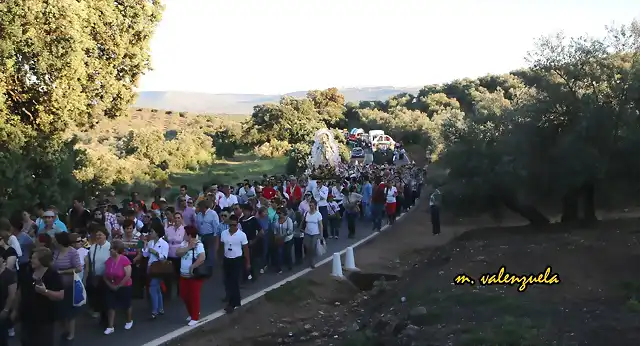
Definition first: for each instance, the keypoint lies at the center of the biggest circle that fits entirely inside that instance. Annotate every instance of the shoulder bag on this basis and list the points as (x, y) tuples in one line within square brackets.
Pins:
[(203, 271), (161, 268)]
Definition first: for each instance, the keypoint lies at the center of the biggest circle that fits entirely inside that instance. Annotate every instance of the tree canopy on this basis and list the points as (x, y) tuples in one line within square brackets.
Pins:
[(63, 65)]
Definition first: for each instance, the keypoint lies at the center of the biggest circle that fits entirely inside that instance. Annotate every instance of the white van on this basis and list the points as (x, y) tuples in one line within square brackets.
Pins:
[(373, 134)]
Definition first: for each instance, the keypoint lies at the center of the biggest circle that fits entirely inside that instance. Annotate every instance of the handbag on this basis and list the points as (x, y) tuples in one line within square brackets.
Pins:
[(79, 292), (321, 247), (335, 215), (202, 271), (92, 279), (161, 269)]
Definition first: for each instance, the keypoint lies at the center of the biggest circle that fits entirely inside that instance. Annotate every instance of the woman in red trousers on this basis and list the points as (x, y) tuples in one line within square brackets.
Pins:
[(191, 252), (391, 192)]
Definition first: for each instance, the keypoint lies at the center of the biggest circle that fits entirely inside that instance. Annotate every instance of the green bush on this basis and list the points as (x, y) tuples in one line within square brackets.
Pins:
[(274, 148), (298, 156), (144, 156)]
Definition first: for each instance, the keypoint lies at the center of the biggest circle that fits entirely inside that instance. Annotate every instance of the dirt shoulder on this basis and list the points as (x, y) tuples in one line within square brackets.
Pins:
[(595, 302)]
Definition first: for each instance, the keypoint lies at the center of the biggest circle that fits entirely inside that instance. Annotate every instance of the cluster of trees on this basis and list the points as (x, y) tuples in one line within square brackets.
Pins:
[(557, 134), (144, 155), (142, 150)]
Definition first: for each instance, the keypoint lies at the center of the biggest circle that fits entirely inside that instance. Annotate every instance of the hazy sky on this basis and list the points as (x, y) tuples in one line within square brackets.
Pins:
[(279, 46)]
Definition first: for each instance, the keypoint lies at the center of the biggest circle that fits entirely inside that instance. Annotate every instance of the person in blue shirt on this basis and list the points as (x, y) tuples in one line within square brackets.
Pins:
[(265, 219), (40, 210), (208, 223), (367, 192), (58, 226)]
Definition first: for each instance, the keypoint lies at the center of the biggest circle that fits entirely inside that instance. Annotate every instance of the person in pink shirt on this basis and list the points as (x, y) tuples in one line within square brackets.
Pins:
[(117, 277), (189, 214), (174, 234)]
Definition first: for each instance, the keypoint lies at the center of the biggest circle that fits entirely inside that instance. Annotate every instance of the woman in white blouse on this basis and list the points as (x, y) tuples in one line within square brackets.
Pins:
[(94, 265), (156, 249), (192, 256)]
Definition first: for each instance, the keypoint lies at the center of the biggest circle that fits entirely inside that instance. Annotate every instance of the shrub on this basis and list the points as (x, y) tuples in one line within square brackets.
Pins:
[(298, 156), (275, 148)]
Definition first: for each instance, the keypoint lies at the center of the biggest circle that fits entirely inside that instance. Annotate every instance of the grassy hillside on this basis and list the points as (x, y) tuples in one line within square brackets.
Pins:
[(243, 103), (164, 148)]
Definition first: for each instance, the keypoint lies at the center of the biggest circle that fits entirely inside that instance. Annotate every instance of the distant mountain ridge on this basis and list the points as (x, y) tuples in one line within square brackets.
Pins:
[(243, 103)]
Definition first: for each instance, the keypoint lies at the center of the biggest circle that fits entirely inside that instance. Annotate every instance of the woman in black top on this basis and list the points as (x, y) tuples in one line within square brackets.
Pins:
[(9, 254), (8, 284), (36, 303)]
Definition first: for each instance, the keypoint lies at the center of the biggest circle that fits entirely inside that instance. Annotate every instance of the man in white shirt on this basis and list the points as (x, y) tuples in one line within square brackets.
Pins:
[(320, 194), (227, 199)]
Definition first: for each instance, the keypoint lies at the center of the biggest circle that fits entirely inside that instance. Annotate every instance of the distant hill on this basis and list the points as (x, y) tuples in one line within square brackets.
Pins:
[(243, 103)]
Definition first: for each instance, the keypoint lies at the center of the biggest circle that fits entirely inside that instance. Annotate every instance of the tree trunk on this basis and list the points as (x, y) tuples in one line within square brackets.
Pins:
[(529, 212), (589, 202), (570, 203)]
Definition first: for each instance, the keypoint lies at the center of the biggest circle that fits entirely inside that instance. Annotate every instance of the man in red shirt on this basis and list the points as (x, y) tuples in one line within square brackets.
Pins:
[(295, 193), (268, 191)]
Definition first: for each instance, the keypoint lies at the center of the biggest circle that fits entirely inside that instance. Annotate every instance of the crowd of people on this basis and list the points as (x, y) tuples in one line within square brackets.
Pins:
[(157, 249)]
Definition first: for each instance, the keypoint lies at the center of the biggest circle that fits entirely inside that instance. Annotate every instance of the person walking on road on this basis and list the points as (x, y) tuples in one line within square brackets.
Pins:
[(434, 205), (236, 261), (378, 200)]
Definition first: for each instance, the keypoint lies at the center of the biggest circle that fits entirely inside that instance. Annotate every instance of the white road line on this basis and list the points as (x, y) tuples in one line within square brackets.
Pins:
[(186, 329)]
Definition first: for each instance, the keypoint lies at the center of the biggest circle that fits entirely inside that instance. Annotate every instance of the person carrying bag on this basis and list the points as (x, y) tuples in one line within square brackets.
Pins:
[(193, 272), (94, 270)]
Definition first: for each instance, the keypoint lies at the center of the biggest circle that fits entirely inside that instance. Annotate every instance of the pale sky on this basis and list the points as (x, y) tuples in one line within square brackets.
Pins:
[(280, 46)]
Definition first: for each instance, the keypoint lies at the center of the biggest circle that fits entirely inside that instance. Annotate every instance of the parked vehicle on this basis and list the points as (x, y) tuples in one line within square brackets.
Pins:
[(357, 152), (355, 134), (374, 134), (383, 142)]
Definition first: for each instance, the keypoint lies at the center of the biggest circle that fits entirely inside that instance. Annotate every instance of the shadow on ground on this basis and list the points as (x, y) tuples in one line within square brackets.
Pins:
[(596, 301)]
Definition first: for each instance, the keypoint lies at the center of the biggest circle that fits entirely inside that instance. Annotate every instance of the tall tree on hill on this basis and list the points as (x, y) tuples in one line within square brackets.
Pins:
[(63, 65), (330, 106)]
